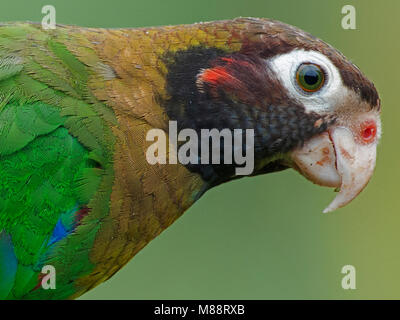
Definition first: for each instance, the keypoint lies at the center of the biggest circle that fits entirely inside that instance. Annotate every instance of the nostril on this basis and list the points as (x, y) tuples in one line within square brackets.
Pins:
[(368, 131)]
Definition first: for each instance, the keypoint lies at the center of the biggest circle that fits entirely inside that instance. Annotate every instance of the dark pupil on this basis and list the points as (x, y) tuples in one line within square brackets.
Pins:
[(311, 76)]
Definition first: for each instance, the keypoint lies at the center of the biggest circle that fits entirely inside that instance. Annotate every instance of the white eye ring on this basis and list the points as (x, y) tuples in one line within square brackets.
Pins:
[(326, 98)]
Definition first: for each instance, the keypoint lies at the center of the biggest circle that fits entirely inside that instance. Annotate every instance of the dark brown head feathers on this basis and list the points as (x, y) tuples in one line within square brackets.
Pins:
[(267, 38)]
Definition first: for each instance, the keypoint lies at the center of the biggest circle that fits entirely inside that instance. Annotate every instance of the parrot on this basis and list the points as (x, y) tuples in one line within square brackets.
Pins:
[(77, 191)]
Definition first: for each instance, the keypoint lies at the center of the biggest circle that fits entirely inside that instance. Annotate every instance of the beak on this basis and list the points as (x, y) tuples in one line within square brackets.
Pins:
[(335, 159)]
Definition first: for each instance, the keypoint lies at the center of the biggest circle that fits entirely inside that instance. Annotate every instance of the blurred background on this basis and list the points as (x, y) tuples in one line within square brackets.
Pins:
[(266, 237)]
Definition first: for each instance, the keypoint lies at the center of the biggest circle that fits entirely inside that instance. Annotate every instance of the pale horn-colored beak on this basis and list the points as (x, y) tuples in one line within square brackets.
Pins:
[(337, 160)]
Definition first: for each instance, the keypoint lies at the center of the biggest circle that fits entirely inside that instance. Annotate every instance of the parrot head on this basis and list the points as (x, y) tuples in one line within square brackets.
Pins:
[(343, 155), (311, 108)]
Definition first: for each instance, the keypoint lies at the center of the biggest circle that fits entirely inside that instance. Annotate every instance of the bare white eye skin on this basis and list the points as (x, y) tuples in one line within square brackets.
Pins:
[(327, 97)]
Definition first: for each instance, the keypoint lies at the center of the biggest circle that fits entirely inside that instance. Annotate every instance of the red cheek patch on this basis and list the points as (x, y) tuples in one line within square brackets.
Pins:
[(368, 131)]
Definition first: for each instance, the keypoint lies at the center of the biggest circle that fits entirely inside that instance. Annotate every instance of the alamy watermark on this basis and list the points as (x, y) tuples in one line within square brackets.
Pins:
[(49, 20), (349, 20), (349, 280), (234, 148), (49, 279)]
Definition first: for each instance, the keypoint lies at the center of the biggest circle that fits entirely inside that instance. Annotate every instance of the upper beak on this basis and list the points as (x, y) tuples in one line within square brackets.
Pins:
[(336, 159)]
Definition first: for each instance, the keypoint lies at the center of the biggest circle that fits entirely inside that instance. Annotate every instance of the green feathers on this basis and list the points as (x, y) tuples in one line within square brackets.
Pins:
[(38, 185), (56, 149), (21, 124), (76, 190)]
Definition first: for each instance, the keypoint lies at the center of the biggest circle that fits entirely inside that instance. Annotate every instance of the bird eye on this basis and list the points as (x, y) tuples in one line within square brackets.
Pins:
[(310, 77)]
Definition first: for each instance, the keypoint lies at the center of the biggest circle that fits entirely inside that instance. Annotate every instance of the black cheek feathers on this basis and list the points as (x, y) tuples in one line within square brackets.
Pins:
[(260, 103)]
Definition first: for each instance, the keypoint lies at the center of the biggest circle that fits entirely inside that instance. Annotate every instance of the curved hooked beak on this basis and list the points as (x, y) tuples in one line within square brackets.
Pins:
[(335, 159)]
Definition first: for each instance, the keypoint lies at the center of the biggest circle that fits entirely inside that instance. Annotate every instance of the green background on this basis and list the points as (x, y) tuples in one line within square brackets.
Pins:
[(265, 237)]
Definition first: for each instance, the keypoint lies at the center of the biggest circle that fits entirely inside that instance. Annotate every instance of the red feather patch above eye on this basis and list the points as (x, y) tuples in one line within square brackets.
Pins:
[(215, 75), (230, 60), (223, 73), (240, 76), (221, 76)]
